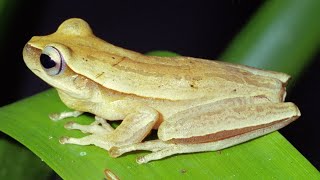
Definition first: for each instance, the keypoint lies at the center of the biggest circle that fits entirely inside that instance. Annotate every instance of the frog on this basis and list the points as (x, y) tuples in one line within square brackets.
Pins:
[(193, 104)]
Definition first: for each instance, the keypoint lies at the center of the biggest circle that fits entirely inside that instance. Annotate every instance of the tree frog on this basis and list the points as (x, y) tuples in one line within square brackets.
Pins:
[(195, 104)]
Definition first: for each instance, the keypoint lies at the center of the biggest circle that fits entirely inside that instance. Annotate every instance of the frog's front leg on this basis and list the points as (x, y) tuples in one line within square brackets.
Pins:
[(63, 115), (99, 126), (214, 126), (133, 129)]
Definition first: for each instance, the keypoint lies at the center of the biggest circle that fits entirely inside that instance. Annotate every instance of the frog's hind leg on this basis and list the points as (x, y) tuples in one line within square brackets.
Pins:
[(215, 126), (161, 149)]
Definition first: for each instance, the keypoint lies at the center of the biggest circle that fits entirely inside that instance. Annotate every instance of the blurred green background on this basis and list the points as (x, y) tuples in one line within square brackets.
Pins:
[(275, 35)]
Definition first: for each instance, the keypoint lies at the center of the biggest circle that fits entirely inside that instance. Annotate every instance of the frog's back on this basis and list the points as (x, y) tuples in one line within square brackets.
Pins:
[(174, 78), (177, 78)]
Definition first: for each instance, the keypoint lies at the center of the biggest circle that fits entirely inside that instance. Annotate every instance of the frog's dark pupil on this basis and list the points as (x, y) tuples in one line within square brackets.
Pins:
[(46, 61)]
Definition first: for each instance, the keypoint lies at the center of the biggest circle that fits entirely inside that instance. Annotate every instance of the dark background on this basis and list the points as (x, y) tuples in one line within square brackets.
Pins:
[(199, 29)]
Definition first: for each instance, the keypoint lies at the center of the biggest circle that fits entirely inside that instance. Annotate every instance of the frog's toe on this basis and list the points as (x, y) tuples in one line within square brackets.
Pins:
[(141, 160), (93, 128), (69, 125), (64, 139), (55, 116), (62, 115), (115, 152)]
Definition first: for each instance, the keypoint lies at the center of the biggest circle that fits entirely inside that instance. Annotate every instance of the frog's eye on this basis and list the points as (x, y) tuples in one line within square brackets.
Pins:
[(52, 60)]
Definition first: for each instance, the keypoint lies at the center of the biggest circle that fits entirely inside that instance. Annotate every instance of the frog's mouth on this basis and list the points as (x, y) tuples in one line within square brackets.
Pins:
[(30, 56)]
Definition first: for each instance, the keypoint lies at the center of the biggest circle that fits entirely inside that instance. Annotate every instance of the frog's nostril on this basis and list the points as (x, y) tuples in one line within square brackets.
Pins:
[(46, 61)]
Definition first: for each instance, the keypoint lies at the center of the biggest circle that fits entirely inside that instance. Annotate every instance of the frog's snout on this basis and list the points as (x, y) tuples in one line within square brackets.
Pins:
[(30, 53)]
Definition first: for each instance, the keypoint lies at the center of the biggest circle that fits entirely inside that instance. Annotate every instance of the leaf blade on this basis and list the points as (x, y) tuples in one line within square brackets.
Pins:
[(38, 133)]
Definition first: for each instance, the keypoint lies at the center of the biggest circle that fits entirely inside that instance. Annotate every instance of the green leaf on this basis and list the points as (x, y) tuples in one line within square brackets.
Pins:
[(17, 162), (162, 53), (28, 122)]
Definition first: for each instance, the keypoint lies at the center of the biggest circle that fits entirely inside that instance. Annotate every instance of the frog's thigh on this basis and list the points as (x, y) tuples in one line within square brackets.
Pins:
[(209, 122)]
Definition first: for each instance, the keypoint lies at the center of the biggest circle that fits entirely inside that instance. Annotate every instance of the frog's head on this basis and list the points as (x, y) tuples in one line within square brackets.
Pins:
[(49, 57)]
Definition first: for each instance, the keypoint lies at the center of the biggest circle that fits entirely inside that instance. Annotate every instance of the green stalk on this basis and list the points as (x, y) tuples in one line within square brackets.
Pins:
[(283, 36)]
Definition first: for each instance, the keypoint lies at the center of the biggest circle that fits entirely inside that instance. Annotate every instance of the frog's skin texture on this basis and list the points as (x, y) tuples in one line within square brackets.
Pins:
[(196, 104)]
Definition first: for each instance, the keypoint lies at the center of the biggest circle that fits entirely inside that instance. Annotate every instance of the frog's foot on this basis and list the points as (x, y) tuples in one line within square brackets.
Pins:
[(154, 146), (174, 149), (62, 115), (162, 149), (99, 126), (94, 139)]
